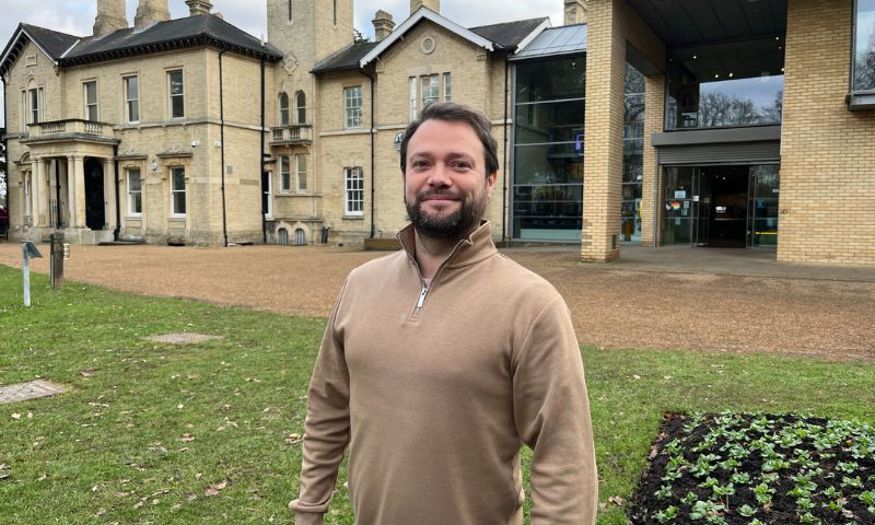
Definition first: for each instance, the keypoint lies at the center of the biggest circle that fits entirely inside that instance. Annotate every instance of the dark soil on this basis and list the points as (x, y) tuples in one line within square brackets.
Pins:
[(814, 453)]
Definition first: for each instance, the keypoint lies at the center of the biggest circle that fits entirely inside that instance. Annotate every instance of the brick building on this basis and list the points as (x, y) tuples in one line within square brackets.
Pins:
[(716, 123)]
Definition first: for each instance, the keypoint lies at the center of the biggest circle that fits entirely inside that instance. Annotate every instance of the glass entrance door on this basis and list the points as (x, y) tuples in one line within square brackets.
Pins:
[(764, 188)]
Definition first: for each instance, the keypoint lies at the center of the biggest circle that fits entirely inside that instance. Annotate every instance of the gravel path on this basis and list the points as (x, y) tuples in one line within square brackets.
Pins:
[(612, 307)]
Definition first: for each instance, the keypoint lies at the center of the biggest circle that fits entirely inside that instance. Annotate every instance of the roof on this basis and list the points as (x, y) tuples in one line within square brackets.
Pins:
[(347, 58), (52, 43), (555, 41), (509, 34), (193, 31)]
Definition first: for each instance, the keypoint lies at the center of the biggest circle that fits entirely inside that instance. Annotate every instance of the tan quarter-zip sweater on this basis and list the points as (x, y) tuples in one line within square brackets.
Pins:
[(435, 389)]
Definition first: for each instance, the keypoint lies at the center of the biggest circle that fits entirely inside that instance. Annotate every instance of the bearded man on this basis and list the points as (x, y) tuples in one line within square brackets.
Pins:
[(441, 361)]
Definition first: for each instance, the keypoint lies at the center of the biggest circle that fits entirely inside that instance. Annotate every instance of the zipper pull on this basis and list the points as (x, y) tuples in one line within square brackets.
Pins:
[(421, 300)]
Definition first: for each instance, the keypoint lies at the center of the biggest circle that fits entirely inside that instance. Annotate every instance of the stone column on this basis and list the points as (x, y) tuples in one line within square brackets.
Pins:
[(77, 185), (603, 149), (651, 189), (34, 192), (71, 193), (109, 185), (41, 194)]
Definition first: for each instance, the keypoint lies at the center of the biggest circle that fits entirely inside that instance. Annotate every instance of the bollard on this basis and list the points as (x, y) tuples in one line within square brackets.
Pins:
[(56, 259), (28, 250)]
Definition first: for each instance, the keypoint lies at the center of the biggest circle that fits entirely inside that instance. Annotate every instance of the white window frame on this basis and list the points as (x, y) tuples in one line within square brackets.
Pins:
[(27, 206), (353, 186), (431, 83), (352, 114), (448, 87), (301, 109), (87, 105), (301, 174), (413, 90), (174, 190), (285, 174), (269, 192), (285, 117), (170, 95), (33, 95), (131, 102), (131, 208)]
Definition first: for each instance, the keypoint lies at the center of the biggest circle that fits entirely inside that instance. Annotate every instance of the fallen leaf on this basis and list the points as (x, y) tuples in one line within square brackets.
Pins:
[(186, 438), (16, 415), (214, 489)]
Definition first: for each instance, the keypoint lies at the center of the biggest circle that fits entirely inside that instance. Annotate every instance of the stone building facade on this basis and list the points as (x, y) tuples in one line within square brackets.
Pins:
[(742, 131)]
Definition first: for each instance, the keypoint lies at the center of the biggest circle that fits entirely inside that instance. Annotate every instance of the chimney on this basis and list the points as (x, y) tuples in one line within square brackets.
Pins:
[(434, 5), (110, 17), (199, 7), (150, 12), (383, 25), (575, 11)]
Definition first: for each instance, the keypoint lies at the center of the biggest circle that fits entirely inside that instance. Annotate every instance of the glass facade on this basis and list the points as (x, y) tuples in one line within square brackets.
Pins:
[(864, 46), (548, 149), (633, 156), (726, 85)]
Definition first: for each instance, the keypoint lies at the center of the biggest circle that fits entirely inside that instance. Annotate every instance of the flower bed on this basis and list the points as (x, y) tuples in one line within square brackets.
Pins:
[(755, 469)]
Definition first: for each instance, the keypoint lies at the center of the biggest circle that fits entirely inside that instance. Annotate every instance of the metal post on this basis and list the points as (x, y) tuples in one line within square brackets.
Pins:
[(57, 260), (25, 253)]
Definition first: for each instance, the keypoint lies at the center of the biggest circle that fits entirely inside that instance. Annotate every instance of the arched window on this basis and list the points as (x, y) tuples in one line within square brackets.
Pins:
[(283, 236), (300, 237), (284, 109), (301, 106)]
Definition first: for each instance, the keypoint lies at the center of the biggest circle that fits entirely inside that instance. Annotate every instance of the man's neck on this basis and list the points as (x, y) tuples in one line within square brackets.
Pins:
[(431, 253)]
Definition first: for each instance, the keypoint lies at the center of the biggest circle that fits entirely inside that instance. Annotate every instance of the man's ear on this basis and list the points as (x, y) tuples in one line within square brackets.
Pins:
[(490, 183)]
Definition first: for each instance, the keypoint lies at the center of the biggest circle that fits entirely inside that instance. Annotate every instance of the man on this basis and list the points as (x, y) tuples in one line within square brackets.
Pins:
[(440, 361)]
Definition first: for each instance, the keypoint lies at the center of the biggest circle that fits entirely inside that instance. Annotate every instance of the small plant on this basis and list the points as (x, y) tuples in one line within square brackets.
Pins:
[(705, 509), (747, 511), (763, 494), (668, 515), (663, 492)]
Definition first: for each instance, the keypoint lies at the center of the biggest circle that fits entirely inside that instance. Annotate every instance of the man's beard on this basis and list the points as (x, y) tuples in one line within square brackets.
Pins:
[(453, 226)]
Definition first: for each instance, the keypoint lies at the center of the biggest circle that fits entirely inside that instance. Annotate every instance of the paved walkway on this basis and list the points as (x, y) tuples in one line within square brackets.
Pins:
[(670, 297)]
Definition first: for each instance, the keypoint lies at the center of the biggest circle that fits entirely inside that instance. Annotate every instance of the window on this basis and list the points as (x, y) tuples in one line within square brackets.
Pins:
[(448, 87), (716, 85), (177, 93), (301, 106), (284, 109), (34, 104), (90, 95), (301, 168), (266, 201), (177, 190), (354, 196), (864, 47), (413, 113), (352, 103), (132, 99), (431, 89), (285, 174), (290, 10), (335, 12), (135, 192)]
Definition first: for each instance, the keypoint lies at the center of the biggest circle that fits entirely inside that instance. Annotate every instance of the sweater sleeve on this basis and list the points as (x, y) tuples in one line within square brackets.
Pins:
[(326, 427), (551, 413)]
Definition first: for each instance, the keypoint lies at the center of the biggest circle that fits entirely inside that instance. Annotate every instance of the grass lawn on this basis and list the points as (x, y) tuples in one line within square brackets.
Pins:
[(206, 433)]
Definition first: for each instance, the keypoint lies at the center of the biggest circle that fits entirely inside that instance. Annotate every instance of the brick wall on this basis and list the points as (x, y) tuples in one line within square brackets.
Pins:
[(827, 152)]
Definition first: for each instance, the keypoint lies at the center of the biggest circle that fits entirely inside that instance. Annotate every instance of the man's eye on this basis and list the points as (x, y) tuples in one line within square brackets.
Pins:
[(461, 166), (419, 163)]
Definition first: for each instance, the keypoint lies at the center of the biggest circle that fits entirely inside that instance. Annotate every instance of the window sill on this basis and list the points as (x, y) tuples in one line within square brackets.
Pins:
[(353, 217), (176, 218), (134, 217), (860, 100)]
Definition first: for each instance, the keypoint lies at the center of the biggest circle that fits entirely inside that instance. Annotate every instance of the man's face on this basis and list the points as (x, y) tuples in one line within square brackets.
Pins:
[(446, 188)]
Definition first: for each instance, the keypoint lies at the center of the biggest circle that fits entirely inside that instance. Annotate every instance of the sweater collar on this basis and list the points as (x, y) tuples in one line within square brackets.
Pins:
[(475, 248)]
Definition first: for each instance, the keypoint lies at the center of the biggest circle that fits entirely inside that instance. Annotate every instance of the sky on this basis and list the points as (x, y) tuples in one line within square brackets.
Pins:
[(76, 17)]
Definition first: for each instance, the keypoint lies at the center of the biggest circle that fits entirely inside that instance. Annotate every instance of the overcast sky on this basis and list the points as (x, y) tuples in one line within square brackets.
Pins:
[(77, 16)]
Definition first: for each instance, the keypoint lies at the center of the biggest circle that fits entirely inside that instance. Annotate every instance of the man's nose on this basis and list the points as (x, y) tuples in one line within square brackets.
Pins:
[(440, 175)]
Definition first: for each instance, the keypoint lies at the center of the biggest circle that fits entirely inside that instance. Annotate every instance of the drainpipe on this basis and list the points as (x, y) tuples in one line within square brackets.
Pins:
[(222, 153), (261, 156), (8, 163), (118, 213), (504, 128), (57, 192), (373, 160)]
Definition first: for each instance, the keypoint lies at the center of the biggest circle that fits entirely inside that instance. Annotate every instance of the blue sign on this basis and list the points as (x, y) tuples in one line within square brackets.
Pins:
[(578, 143)]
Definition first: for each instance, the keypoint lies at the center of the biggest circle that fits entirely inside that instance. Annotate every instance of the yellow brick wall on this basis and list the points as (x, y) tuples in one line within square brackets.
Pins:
[(827, 152)]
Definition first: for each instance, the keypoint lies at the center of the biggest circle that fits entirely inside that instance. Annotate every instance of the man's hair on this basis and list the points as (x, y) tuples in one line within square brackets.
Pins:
[(451, 112)]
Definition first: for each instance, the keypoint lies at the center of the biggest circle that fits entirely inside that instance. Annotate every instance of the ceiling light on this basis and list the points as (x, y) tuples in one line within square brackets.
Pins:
[(716, 76), (695, 57), (731, 75)]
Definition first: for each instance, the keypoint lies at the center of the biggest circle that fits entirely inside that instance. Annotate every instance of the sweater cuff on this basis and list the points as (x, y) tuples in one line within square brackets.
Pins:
[(306, 518)]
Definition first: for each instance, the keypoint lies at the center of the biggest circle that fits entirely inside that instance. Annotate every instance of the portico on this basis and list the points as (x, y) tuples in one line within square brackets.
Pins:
[(69, 181)]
